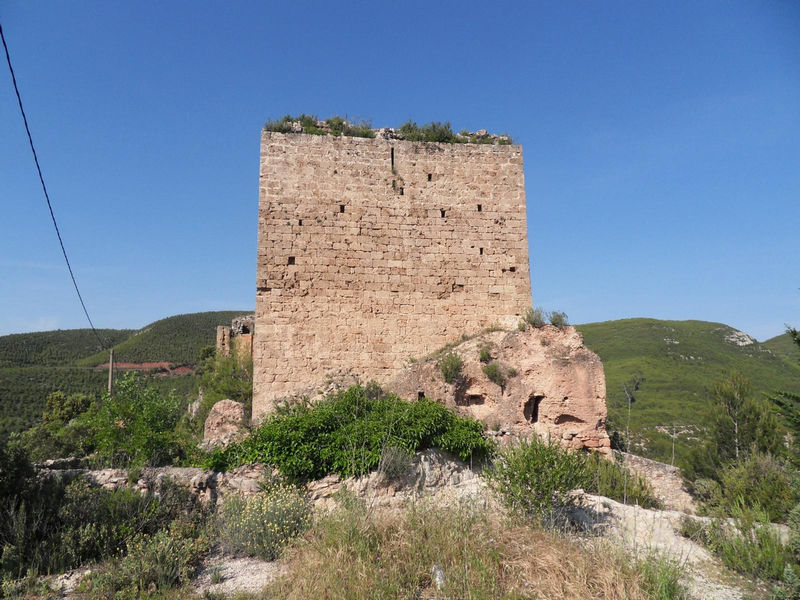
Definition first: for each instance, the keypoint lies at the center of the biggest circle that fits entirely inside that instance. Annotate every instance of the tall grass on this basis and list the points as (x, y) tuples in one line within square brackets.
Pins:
[(353, 554)]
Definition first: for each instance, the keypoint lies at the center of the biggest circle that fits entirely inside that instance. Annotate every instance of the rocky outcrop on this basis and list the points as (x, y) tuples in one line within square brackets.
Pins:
[(432, 475), (548, 383), (665, 480), (225, 423)]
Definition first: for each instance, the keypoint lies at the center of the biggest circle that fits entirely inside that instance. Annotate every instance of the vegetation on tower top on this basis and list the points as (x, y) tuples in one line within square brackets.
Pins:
[(434, 132)]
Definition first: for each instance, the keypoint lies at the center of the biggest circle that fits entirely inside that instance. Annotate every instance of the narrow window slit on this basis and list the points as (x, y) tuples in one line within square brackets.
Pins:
[(481, 252), (480, 208), (392, 159), (341, 208), (401, 190), (442, 211), (300, 222), (430, 176)]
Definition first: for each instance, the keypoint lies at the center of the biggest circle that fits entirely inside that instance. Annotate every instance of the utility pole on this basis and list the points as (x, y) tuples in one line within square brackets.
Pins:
[(111, 372)]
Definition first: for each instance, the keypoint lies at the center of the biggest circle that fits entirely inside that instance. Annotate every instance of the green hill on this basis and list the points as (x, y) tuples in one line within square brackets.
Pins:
[(679, 361), (51, 348), (33, 365), (178, 340), (783, 346)]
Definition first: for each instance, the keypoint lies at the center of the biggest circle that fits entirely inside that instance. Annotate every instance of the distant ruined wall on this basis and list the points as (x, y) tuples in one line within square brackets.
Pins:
[(372, 251)]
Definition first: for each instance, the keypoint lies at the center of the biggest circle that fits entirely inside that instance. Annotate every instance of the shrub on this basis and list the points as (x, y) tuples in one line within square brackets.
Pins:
[(485, 354), (764, 481), (432, 132), (534, 317), (746, 542), (263, 524), (558, 319), (495, 373), (534, 479), (135, 426), (347, 432), (154, 563), (450, 365)]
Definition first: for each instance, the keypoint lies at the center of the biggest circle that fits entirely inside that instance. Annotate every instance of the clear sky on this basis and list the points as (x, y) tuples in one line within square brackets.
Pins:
[(661, 144)]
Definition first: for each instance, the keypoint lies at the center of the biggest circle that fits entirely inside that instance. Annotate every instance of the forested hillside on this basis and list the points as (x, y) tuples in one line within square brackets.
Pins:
[(178, 340), (679, 362), (60, 347), (33, 365)]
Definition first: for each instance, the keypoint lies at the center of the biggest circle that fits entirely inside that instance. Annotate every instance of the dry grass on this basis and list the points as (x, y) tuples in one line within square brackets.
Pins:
[(352, 554)]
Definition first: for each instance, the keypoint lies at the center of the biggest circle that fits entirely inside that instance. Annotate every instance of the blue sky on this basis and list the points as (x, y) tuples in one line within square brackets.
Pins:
[(661, 144)]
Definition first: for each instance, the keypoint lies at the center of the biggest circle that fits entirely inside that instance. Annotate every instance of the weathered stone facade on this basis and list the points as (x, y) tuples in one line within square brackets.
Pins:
[(371, 251)]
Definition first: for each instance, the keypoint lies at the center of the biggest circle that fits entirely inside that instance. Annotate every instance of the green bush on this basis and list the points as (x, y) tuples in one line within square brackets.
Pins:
[(154, 563), (495, 373), (62, 432), (534, 317), (346, 433), (558, 319), (534, 479), (136, 426), (450, 365), (764, 481), (432, 132), (485, 354), (263, 524)]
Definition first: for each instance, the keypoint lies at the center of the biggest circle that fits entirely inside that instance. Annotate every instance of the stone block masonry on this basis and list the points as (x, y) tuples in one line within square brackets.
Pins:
[(373, 251)]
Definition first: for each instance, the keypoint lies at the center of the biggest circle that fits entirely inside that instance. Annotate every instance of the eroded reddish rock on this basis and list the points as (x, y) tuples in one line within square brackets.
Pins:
[(550, 384)]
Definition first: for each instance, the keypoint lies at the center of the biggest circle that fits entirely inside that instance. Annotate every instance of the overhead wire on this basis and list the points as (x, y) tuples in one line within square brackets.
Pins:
[(44, 189)]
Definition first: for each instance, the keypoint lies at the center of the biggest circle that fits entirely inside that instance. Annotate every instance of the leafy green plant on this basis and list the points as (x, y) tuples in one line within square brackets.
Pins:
[(450, 365), (495, 373), (263, 524), (346, 433), (135, 426)]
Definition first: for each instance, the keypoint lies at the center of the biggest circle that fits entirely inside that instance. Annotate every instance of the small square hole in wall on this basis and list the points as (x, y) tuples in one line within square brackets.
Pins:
[(480, 207), (513, 269), (430, 176), (420, 395), (481, 251), (341, 208), (291, 260), (442, 211)]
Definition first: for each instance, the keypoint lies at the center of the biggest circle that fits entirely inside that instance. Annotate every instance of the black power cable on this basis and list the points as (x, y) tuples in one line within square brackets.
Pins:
[(44, 188)]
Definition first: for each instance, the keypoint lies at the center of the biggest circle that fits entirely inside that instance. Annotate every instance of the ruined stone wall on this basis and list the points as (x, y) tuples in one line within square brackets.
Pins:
[(372, 251)]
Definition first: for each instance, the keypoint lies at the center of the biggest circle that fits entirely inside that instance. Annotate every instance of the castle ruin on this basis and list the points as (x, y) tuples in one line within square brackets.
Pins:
[(374, 251)]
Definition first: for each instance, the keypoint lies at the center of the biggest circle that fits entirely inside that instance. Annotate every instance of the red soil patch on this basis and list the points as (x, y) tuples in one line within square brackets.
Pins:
[(147, 366)]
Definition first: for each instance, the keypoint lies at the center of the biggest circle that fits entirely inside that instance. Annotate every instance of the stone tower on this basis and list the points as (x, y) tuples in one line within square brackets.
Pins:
[(373, 251)]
